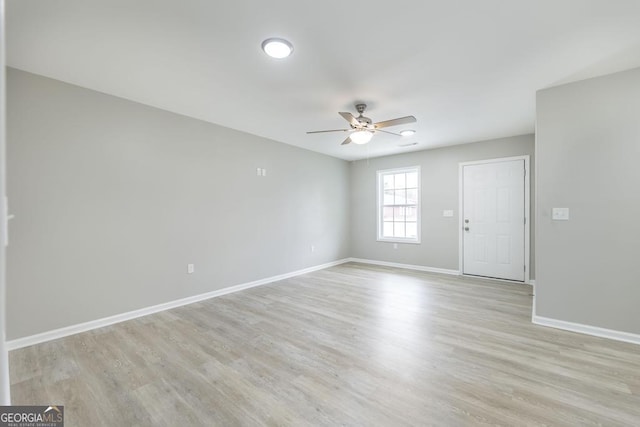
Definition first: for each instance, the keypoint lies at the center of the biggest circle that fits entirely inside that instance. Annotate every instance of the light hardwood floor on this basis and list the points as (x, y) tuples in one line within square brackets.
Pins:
[(353, 345)]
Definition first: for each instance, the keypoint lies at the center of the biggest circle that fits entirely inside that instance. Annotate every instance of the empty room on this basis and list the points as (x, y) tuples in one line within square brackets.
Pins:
[(319, 213)]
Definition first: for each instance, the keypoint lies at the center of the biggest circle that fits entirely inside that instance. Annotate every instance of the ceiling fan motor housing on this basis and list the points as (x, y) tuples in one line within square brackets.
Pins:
[(364, 121)]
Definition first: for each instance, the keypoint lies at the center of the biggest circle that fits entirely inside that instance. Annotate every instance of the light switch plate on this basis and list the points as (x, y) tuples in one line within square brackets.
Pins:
[(447, 213), (560, 214)]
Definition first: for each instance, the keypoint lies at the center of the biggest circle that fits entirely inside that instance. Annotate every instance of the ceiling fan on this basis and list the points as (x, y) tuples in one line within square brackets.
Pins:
[(362, 128)]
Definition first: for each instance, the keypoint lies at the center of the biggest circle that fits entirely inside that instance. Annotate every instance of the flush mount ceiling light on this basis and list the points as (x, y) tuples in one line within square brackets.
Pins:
[(361, 136), (407, 132), (277, 48)]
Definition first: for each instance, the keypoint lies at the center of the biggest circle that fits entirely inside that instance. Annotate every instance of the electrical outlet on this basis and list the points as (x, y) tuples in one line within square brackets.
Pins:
[(191, 268), (264, 172), (258, 171), (313, 248)]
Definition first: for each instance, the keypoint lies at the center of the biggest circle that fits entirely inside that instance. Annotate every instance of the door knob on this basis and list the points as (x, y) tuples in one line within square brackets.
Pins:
[(466, 229)]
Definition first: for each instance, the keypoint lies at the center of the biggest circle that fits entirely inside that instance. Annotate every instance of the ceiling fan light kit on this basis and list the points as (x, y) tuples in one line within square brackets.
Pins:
[(407, 132), (277, 48), (362, 128), (361, 136)]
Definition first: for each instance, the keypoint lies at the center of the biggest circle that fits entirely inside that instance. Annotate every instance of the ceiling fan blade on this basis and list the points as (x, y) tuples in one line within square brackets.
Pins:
[(346, 141), (386, 131), (395, 122), (349, 117), (332, 130)]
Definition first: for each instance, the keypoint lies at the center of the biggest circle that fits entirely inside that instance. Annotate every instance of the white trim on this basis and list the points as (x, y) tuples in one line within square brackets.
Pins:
[(586, 329), (407, 266), (379, 200), (496, 160), (527, 218), (527, 209), (106, 321)]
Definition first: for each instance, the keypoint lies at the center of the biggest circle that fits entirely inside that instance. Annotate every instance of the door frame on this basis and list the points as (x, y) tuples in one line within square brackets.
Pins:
[(527, 212)]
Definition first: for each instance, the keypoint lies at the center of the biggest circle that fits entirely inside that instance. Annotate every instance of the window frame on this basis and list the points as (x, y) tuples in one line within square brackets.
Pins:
[(380, 205)]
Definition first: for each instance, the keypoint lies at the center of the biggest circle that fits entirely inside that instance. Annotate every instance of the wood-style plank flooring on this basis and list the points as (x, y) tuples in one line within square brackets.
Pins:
[(354, 345)]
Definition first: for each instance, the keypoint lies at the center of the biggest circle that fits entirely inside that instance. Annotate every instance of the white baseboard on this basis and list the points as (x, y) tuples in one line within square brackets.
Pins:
[(586, 329), (106, 321), (407, 266)]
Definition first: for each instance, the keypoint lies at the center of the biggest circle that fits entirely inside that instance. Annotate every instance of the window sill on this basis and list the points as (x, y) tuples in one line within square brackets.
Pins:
[(387, 240)]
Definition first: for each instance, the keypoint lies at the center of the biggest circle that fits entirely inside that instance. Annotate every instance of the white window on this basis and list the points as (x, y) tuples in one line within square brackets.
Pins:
[(399, 205)]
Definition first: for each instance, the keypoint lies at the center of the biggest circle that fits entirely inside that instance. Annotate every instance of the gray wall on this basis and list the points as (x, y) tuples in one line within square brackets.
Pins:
[(113, 199), (439, 180), (5, 388), (587, 151)]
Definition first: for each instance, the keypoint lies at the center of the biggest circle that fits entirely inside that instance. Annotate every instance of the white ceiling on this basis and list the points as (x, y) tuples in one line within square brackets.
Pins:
[(467, 69)]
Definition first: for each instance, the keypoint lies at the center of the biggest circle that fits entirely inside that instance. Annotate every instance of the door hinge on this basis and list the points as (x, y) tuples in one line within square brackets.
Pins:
[(525, 172), (525, 268)]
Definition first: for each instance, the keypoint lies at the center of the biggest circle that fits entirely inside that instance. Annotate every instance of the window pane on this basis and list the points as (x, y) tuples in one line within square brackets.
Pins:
[(387, 214), (387, 229), (412, 180), (388, 197), (412, 229), (388, 181), (401, 197), (398, 214), (412, 213), (412, 197), (399, 177), (398, 229)]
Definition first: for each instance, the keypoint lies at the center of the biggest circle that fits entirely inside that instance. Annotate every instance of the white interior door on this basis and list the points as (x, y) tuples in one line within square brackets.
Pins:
[(493, 214)]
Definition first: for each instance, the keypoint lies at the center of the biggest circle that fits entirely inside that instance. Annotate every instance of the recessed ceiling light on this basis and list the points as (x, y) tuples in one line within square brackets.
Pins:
[(277, 48), (407, 132)]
